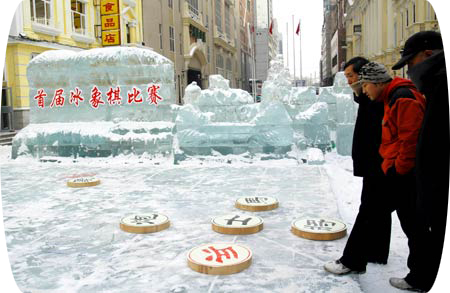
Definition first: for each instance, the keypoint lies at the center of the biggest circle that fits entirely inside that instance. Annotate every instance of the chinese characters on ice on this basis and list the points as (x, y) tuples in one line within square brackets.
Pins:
[(95, 99)]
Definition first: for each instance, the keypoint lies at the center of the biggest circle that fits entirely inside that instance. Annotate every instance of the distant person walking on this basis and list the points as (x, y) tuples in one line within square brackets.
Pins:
[(369, 239), (424, 55)]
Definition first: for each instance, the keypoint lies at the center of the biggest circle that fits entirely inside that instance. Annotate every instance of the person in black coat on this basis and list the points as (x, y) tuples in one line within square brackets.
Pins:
[(424, 55), (369, 239)]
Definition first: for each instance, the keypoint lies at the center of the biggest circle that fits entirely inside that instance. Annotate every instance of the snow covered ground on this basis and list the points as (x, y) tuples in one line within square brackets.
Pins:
[(63, 239)]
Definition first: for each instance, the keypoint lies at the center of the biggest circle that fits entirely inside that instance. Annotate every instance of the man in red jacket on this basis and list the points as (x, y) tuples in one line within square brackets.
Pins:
[(404, 108)]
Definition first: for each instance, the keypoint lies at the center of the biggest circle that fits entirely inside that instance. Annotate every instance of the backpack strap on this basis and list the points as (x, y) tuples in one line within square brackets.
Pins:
[(400, 92)]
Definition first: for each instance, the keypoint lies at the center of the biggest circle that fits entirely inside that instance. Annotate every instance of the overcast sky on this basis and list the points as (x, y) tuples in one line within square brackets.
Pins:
[(311, 15)]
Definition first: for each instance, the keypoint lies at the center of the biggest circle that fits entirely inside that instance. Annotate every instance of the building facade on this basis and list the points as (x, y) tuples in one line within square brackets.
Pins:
[(266, 43), (199, 36), (41, 25), (378, 29), (333, 49)]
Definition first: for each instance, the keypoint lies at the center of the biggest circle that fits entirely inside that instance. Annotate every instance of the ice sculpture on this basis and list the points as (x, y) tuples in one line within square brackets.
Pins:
[(278, 85), (346, 110), (309, 131), (99, 102), (326, 95), (229, 122)]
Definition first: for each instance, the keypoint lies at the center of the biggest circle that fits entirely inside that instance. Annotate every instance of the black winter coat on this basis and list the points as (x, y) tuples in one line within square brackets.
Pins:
[(432, 160), (367, 137)]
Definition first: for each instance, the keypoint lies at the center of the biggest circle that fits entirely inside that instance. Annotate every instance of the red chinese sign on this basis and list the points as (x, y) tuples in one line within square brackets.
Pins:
[(112, 97), (226, 252)]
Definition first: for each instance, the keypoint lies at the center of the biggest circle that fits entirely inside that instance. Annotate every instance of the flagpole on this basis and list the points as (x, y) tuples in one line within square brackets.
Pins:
[(300, 35), (287, 45), (293, 46)]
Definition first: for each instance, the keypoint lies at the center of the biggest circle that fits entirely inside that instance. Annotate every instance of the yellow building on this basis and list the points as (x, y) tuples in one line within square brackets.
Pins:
[(378, 29), (41, 25)]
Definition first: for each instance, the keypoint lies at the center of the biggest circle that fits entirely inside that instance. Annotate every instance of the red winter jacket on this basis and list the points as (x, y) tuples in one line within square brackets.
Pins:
[(404, 108)]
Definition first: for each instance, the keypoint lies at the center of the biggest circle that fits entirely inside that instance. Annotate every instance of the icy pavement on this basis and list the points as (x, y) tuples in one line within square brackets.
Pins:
[(65, 239), (68, 240)]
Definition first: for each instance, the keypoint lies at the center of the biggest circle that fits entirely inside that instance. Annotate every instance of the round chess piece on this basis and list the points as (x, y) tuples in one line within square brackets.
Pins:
[(237, 224), (256, 203), (219, 258), (83, 182), (147, 223), (319, 229)]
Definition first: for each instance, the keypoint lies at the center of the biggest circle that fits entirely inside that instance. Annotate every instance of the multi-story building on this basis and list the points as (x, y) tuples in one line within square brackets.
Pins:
[(333, 52), (41, 25), (378, 29), (265, 42), (245, 45), (199, 36)]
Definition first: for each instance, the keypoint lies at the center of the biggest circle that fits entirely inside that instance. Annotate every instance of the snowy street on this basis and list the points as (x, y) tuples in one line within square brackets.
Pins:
[(63, 239)]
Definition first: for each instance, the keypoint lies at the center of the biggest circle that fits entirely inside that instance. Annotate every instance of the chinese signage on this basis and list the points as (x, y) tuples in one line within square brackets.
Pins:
[(219, 254), (110, 13), (319, 225), (96, 98)]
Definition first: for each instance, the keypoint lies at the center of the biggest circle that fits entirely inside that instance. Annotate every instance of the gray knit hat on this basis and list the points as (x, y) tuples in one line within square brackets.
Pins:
[(374, 72)]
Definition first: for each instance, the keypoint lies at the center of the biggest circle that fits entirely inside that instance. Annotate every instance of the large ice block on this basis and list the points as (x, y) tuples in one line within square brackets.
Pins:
[(73, 92), (228, 121), (346, 110), (308, 132), (326, 95)]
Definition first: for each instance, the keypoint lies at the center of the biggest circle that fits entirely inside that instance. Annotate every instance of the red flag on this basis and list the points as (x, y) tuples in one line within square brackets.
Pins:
[(252, 29), (271, 27), (298, 29)]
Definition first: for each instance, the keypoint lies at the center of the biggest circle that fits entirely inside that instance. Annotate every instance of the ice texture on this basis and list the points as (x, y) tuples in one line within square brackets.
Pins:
[(63, 239), (227, 120), (278, 85), (112, 128), (346, 110), (302, 105)]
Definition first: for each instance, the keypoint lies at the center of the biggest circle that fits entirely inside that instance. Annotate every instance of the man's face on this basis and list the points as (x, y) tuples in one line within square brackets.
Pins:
[(351, 75), (419, 57), (372, 90)]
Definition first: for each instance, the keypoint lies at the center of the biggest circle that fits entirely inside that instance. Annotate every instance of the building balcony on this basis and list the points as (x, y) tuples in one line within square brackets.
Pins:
[(221, 39), (191, 15)]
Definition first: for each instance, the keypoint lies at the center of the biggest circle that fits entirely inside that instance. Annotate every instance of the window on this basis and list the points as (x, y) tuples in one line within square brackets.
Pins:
[(219, 15), (78, 16), (41, 11), (128, 33), (193, 6), (227, 20), (219, 64), (171, 39), (181, 45), (407, 17), (160, 37), (334, 62), (170, 3), (414, 13), (229, 73)]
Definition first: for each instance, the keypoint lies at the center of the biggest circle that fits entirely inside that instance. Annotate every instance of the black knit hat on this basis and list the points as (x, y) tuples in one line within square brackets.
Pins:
[(426, 40)]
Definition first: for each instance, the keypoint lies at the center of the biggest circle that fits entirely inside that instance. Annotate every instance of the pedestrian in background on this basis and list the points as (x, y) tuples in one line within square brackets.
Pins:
[(424, 55), (404, 108), (370, 237)]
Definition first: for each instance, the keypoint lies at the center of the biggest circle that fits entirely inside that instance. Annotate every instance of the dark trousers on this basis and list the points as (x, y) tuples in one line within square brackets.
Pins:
[(403, 193), (370, 237)]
